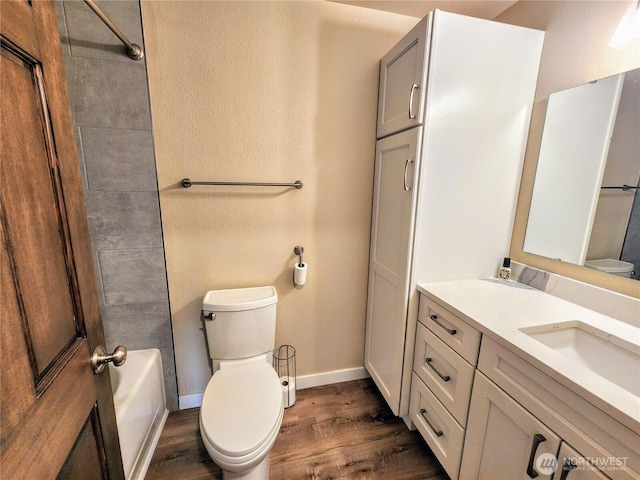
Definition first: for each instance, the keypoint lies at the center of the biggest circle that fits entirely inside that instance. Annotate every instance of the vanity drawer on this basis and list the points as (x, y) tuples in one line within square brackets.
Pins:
[(439, 429), (447, 374), (453, 331)]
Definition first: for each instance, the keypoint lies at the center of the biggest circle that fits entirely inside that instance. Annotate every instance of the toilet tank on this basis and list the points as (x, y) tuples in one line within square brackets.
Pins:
[(243, 323)]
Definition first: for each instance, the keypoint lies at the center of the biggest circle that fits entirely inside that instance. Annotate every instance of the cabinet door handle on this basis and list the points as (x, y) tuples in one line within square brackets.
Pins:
[(437, 432), (444, 378), (567, 466), (414, 87), (537, 440), (406, 167), (450, 331)]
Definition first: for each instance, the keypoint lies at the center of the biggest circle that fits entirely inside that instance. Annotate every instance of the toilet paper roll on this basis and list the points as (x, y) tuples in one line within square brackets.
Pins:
[(300, 274), (288, 385)]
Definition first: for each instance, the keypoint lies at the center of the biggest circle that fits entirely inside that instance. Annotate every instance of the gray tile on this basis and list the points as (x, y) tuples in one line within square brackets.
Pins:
[(170, 379), (96, 263), (119, 160), (133, 276), (70, 74), (138, 325), (141, 326), (111, 95), (124, 220), (81, 159), (631, 245), (89, 37), (62, 26)]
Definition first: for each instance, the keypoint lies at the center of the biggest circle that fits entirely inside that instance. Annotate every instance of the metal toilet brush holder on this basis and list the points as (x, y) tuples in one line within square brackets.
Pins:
[(284, 363)]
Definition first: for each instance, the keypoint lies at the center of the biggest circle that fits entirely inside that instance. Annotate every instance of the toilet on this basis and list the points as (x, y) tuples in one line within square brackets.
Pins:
[(609, 265), (242, 406)]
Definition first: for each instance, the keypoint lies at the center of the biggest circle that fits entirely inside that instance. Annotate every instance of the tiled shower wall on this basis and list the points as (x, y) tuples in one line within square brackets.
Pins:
[(110, 106)]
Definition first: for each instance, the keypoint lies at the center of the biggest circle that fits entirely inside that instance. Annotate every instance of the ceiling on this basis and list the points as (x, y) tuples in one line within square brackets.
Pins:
[(419, 8)]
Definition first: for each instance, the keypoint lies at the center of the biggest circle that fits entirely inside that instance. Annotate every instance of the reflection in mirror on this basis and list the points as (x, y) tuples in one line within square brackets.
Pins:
[(585, 208)]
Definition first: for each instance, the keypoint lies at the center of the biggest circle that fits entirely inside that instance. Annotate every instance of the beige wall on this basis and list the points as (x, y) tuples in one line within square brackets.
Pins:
[(575, 51), (268, 91)]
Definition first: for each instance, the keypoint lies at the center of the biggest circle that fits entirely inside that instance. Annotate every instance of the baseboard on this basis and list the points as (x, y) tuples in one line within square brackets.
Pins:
[(327, 378), (190, 401), (302, 382)]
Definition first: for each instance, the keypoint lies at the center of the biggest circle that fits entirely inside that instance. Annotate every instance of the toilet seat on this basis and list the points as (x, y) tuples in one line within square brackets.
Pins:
[(241, 414)]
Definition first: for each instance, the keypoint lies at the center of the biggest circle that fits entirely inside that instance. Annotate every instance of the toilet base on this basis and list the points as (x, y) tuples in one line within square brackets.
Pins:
[(259, 472)]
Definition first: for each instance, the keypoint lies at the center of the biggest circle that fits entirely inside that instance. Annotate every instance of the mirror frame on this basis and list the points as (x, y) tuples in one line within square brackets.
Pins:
[(569, 58), (602, 279)]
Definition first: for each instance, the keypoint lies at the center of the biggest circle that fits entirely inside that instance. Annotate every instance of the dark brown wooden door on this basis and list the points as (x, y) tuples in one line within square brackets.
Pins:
[(57, 417)]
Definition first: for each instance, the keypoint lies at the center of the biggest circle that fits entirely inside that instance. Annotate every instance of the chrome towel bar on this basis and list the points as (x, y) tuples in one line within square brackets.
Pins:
[(188, 183), (622, 187)]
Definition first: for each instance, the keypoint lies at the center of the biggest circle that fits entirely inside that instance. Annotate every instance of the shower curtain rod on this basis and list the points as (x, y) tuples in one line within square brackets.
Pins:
[(134, 51)]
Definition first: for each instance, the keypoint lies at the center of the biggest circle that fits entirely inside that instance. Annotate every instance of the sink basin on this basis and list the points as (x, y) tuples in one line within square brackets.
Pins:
[(611, 357)]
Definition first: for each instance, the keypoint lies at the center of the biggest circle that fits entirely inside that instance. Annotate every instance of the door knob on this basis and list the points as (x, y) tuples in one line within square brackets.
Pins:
[(100, 358)]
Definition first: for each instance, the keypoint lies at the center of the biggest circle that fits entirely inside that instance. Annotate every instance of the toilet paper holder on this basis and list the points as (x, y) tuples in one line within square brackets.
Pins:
[(300, 268), (284, 363)]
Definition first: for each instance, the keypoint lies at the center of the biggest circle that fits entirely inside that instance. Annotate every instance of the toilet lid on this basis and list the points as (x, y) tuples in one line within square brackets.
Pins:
[(241, 407)]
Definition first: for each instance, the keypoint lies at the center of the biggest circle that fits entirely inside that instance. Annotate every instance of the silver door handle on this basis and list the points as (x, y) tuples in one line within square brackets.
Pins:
[(406, 167), (100, 358), (414, 87)]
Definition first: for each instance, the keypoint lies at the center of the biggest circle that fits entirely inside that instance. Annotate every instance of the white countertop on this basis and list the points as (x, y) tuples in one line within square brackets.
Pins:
[(499, 308)]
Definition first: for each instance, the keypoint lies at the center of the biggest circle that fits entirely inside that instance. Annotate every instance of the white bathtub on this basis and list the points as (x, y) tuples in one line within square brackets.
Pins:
[(138, 395)]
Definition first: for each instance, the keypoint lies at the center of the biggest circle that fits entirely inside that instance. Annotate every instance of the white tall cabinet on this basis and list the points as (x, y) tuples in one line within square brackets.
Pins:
[(455, 101)]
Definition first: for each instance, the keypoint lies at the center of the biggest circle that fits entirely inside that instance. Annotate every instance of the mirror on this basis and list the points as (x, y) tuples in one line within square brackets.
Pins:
[(585, 208)]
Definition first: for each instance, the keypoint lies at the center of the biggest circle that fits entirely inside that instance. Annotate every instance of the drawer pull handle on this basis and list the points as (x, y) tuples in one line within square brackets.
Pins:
[(438, 433), (537, 440), (414, 87), (450, 331), (445, 378), (567, 466)]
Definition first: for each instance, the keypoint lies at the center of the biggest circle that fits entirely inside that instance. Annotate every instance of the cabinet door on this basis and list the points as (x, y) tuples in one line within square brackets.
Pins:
[(573, 466), (503, 440), (403, 81), (391, 241)]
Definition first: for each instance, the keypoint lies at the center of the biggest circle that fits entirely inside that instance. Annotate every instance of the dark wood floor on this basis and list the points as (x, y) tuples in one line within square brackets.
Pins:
[(339, 431)]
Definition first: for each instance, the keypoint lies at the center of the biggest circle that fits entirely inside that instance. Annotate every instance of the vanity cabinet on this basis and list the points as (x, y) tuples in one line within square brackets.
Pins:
[(504, 440), (439, 211), (526, 411), (525, 426), (442, 381), (573, 466), (578, 422)]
